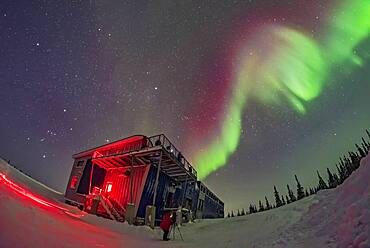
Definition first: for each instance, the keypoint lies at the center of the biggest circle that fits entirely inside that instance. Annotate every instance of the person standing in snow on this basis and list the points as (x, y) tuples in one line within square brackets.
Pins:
[(166, 224)]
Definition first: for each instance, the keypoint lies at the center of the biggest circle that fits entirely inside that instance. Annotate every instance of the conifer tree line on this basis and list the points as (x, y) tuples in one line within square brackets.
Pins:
[(344, 168)]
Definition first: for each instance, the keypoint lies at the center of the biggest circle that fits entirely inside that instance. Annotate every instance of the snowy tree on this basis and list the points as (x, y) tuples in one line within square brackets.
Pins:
[(243, 212), (300, 192), (282, 200), (232, 213), (238, 214), (277, 198), (228, 215), (306, 193)]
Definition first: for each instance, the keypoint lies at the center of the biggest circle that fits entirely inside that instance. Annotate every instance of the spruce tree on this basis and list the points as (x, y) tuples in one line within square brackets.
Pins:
[(251, 210), (287, 199), (355, 160), (243, 212), (348, 167), (282, 200), (365, 144), (322, 184), (336, 179), (261, 207), (306, 193), (312, 191), (228, 215), (300, 191), (365, 148), (341, 174), (277, 198), (331, 180), (238, 214), (362, 152), (268, 206), (291, 194), (232, 213)]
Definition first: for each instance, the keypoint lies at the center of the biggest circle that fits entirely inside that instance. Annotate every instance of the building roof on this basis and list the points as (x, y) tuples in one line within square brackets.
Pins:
[(141, 150)]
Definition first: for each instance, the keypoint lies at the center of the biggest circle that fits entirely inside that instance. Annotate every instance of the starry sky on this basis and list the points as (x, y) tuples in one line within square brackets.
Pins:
[(252, 92)]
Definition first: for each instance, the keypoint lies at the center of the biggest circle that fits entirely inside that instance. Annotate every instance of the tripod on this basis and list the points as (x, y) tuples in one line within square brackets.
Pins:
[(174, 227)]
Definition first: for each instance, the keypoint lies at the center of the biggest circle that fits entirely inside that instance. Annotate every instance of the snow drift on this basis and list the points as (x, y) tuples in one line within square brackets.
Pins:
[(337, 217)]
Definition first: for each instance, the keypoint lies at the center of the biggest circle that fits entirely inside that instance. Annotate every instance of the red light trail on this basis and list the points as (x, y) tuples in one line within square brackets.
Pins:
[(15, 187)]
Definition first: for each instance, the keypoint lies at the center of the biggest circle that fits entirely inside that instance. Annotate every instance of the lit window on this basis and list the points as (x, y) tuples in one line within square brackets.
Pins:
[(74, 181), (108, 187)]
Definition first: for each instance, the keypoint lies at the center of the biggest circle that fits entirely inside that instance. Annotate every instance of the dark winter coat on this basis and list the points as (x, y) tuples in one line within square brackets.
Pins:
[(166, 222)]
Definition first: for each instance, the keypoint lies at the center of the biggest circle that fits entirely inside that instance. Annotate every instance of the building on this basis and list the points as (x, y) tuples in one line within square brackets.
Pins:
[(136, 178), (209, 205)]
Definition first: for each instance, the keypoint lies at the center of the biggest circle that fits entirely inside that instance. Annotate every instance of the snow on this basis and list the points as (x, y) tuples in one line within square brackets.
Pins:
[(337, 217), (26, 223)]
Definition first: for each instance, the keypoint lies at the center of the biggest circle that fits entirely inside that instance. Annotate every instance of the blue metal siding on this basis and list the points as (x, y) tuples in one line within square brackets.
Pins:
[(212, 209), (148, 193), (163, 186)]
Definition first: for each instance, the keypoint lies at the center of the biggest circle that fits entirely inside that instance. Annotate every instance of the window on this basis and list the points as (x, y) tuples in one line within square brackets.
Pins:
[(108, 187), (74, 181), (80, 163)]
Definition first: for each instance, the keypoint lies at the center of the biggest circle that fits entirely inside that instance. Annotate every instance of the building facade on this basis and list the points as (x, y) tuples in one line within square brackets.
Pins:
[(125, 177)]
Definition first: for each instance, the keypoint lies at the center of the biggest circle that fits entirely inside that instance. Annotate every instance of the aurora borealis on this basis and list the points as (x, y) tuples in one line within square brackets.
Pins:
[(291, 65), (251, 92)]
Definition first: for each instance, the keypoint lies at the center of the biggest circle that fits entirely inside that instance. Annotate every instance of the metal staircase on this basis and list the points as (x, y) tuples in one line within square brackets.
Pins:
[(113, 209)]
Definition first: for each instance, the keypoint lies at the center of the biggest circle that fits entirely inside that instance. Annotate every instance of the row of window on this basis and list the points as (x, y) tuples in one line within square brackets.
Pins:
[(205, 190)]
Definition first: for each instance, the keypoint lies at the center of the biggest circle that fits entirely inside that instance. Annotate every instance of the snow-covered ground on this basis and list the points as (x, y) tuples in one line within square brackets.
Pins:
[(333, 218)]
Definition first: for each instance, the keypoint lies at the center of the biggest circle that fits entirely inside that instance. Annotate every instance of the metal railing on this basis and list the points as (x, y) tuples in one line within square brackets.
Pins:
[(149, 142), (162, 140)]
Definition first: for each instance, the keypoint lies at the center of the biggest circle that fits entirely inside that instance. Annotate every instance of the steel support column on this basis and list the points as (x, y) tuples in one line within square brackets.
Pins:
[(131, 179), (91, 176), (157, 178)]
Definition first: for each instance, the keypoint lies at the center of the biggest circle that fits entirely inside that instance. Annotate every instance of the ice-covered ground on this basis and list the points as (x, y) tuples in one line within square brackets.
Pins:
[(333, 218)]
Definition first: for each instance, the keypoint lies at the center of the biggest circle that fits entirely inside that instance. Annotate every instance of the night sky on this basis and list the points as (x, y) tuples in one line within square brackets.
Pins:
[(252, 92)]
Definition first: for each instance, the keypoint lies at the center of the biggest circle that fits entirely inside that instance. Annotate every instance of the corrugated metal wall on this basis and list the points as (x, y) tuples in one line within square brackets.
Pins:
[(121, 185)]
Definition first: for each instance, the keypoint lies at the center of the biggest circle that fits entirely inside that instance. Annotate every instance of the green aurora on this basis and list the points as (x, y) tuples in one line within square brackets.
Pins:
[(293, 68)]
